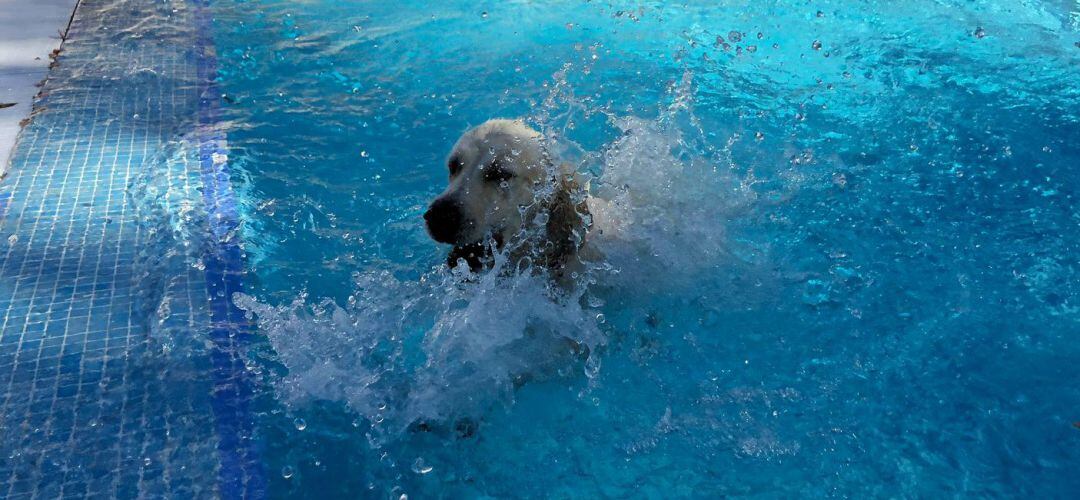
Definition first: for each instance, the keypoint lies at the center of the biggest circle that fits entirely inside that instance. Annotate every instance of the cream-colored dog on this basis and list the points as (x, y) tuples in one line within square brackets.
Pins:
[(505, 191)]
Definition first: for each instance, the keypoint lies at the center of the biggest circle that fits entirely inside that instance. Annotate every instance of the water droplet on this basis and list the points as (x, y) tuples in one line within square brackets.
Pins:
[(484, 14), (287, 472), (816, 45), (420, 467), (815, 293), (980, 32), (600, 318), (300, 424), (146, 461), (592, 367), (363, 154)]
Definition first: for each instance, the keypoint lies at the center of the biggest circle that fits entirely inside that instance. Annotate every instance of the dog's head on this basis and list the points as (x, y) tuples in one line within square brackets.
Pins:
[(501, 179), (496, 171)]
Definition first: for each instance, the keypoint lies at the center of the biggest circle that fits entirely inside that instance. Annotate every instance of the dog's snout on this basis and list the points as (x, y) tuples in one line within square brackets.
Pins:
[(444, 220)]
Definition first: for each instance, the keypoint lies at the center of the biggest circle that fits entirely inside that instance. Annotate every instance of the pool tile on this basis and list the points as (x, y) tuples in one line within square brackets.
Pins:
[(82, 404)]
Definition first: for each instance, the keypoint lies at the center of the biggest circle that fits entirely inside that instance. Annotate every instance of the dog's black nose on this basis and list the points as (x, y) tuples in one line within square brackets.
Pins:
[(444, 220)]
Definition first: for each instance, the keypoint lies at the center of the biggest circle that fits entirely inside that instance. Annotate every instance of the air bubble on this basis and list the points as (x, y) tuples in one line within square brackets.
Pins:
[(287, 472), (300, 424)]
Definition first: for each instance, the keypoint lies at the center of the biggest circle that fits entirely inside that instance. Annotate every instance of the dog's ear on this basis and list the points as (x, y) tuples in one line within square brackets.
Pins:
[(567, 220)]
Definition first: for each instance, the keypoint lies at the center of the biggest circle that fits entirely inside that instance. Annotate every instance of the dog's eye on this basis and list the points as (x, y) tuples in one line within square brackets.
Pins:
[(455, 165), (496, 173)]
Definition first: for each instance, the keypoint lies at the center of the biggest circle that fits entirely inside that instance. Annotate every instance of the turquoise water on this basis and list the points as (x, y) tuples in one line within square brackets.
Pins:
[(847, 264)]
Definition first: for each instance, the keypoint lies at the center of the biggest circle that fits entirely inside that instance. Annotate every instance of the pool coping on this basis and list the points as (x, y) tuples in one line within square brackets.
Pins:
[(20, 83)]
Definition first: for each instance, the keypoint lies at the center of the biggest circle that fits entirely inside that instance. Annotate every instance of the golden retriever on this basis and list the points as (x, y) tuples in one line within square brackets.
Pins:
[(506, 193)]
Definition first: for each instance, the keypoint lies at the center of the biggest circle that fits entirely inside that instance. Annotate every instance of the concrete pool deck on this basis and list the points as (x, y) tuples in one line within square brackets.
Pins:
[(29, 33)]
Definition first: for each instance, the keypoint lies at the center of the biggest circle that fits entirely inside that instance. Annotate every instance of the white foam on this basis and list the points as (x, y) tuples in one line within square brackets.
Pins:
[(432, 350)]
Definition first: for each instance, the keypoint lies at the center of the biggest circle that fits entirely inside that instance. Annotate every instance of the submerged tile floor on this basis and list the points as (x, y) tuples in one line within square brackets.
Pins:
[(118, 369)]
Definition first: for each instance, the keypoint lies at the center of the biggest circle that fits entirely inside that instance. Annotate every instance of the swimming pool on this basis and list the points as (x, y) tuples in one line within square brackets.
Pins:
[(850, 267), (847, 264)]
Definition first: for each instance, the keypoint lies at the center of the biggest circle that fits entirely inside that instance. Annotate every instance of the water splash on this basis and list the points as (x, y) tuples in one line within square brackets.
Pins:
[(450, 345), (168, 263)]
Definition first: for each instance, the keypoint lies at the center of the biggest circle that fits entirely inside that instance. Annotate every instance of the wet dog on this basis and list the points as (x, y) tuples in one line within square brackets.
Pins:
[(505, 192)]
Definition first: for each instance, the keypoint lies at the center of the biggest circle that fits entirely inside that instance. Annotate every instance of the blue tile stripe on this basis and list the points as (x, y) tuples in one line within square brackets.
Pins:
[(240, 474)]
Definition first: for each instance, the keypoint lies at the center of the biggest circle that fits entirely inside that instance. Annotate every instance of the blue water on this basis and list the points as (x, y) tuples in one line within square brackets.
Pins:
[(848, 265)]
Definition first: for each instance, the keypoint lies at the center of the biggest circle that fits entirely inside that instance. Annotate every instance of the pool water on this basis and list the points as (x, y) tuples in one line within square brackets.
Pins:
[(847, 263)]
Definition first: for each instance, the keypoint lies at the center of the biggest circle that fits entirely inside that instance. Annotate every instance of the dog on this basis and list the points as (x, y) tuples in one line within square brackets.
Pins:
[(506, 193)]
